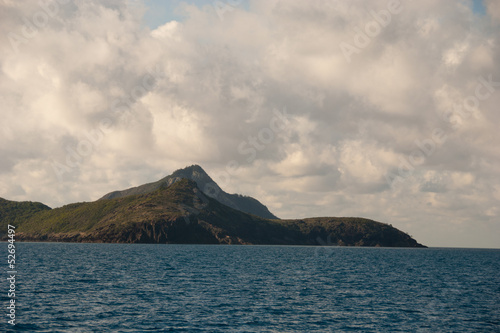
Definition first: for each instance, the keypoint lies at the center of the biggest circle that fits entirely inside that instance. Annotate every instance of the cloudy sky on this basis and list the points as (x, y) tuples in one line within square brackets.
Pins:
[(376, 109)]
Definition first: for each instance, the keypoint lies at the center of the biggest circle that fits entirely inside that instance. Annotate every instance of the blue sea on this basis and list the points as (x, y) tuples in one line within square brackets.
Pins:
[(63, 287)]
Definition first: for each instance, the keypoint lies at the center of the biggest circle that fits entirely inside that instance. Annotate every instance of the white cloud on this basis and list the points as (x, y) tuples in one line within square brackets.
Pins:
[(140, 104)]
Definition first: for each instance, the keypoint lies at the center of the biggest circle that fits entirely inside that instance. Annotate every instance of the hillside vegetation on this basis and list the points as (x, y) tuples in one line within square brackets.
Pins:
[(16, 213), (182, 213)]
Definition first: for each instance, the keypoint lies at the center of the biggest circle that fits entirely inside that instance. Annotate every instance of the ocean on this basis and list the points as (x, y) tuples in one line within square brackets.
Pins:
[(62, 287)]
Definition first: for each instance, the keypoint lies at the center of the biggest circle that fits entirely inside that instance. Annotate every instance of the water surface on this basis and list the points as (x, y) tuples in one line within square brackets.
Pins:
[(216, 288)]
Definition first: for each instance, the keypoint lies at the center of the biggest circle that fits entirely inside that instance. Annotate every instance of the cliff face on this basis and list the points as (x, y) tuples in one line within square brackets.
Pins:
[(206, 185), (182, 213)]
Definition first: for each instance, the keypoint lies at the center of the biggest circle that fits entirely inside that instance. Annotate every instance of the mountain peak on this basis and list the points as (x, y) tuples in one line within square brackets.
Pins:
[(206, 185), (195, 168), (196, 173)]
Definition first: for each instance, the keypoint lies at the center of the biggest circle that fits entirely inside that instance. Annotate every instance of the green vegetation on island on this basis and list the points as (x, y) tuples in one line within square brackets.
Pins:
[(182, 213)]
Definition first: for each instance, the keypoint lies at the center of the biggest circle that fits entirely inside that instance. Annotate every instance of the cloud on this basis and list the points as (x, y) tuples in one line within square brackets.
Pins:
[(493, 9), (94, 101)]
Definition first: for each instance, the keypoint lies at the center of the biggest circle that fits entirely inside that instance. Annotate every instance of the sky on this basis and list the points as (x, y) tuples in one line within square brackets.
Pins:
[(380, 109)]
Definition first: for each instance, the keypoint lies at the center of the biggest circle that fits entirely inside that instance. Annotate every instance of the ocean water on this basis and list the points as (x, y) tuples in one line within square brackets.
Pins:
[(213, 288)]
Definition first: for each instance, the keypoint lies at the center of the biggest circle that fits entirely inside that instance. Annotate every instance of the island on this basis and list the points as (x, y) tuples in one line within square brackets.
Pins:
[(187, 207)]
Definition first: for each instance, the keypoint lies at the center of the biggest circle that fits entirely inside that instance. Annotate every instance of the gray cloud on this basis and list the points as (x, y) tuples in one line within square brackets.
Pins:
[(94, 101)]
